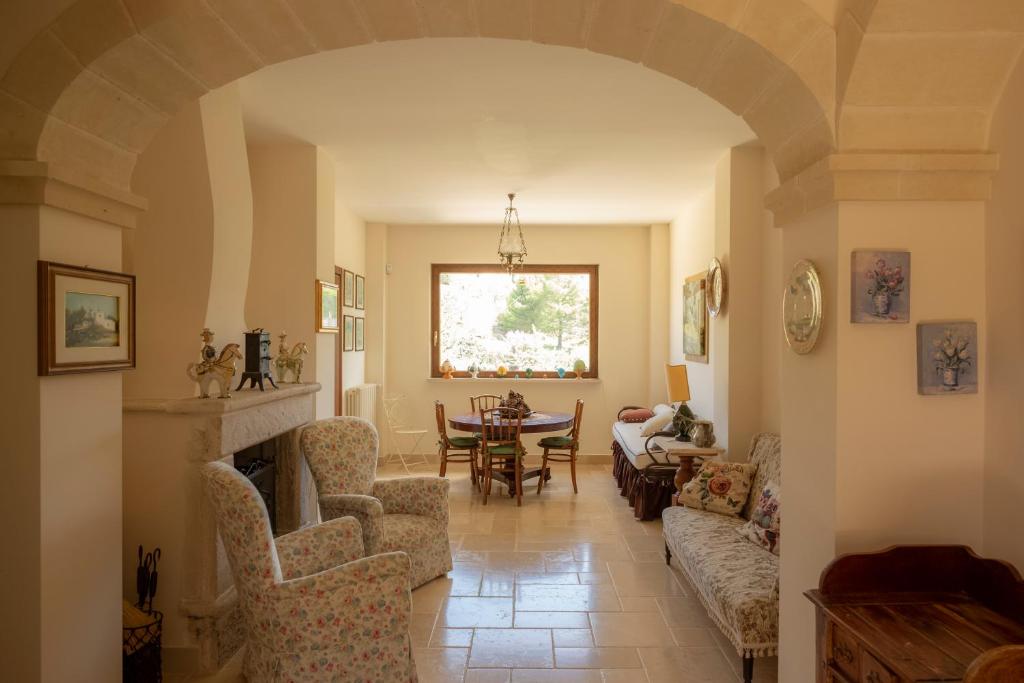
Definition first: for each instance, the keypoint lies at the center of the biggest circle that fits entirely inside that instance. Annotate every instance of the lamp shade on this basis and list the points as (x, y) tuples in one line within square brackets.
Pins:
[(678, 383)]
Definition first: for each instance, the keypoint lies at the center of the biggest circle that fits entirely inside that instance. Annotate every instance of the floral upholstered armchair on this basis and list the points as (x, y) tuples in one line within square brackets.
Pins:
[(314, 608), (408, 514)]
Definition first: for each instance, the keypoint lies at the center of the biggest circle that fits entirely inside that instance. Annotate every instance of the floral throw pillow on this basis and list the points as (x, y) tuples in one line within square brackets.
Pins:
[(765, 520), (721, 487)]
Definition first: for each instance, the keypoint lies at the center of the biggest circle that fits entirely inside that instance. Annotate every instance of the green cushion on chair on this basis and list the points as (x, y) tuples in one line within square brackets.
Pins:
[(503, 450), (555, 442), (464, 441)]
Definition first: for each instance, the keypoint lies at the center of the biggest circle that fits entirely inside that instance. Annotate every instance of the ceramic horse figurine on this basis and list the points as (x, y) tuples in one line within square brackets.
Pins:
[(290, 360), (222, 369)]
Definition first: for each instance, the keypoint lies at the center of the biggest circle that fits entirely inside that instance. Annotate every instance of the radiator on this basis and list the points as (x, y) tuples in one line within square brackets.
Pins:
[(361, 401)]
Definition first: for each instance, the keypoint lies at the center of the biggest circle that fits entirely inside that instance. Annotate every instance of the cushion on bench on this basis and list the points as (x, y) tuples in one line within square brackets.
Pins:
[(736, 580), (627, 435)]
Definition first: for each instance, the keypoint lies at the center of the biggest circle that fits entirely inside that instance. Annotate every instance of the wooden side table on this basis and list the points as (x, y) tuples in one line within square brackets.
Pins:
[(686, 452)]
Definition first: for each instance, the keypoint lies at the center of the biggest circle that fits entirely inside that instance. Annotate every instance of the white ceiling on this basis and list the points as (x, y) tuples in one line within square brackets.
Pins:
[(439, 130)]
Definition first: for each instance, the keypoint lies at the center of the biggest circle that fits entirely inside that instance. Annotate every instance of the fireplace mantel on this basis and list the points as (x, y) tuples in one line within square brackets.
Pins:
[(166, 441)]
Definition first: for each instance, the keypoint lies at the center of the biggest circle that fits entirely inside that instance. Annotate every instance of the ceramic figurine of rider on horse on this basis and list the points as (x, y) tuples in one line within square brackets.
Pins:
[(289, 359), (212, 367)]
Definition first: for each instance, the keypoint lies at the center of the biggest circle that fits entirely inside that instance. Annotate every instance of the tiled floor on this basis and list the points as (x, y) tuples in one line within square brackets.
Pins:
[(566, 588)]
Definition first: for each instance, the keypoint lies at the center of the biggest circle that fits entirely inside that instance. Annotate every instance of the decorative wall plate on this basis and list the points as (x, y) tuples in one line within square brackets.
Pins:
[(716, 288), (801, 307)]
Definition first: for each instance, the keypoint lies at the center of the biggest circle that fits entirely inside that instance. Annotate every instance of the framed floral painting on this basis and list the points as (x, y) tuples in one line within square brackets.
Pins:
[(947, 358), (348, 279), (349, 334), (695, 318), (86, 319), (880, 286)]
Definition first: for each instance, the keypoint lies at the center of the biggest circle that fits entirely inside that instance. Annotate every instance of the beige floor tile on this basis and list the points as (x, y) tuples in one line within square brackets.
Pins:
[(488, 542), (561, 578), (459, 612), (630, 630), (429, 597), (533, 598), (684, 613), (594, 577), (442, 665), (500, 584), (515, 561), (601, 552), (420, 627), (488, 675), (507, 648), (552, 620), (572, 637), (634, 579), (641, 543), (652, 556), (465, 581), (639, 604), (556, 676), (624, 676), (451, 637), (597, 658), (575, 567), (686, 665), (694, 637)]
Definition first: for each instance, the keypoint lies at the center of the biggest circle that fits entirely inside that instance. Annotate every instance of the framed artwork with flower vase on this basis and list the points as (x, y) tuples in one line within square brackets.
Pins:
[(880, 286), (947, 358)]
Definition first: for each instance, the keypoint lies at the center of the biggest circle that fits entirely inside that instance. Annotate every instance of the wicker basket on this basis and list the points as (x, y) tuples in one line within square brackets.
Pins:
[(140, 653)]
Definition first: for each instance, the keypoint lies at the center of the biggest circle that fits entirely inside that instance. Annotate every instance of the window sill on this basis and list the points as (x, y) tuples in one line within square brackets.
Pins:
[(523, 380)]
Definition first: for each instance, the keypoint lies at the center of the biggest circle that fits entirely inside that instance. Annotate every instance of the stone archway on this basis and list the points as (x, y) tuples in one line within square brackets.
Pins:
[(90, 91)]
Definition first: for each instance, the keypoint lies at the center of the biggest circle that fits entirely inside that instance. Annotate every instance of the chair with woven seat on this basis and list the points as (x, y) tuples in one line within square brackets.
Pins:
[(569, 442), (310, 602), (408, 514), (501, 448), (465, 447)]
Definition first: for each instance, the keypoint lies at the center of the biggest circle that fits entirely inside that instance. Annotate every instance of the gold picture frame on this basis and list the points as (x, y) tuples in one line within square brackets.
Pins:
[(326, 307), (86, 319), (695, 318)]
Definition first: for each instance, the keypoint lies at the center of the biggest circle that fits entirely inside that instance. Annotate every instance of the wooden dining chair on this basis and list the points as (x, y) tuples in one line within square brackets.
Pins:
[(501, 448), (455, 448), (483, 402), (570, 443)]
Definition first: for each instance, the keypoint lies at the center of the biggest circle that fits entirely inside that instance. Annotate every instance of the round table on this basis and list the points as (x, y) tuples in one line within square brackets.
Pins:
[(538, 421)]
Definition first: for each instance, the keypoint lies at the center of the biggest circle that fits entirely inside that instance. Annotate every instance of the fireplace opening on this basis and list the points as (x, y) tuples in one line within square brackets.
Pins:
[(258, 464)]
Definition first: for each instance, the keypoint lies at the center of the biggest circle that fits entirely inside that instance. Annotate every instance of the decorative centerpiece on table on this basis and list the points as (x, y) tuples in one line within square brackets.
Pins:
[(516, 402)]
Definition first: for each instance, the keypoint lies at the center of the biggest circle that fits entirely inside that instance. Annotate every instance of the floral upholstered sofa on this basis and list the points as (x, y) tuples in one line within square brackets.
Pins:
[(735, 579)]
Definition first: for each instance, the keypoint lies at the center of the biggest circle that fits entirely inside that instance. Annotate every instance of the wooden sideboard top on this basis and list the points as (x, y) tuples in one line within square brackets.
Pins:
[(927, 611)]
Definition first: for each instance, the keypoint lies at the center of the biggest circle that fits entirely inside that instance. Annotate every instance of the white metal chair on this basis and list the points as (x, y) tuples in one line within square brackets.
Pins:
[(399, 430)]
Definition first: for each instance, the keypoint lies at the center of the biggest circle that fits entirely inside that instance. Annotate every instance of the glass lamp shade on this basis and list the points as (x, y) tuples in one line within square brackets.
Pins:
[(677, 382)]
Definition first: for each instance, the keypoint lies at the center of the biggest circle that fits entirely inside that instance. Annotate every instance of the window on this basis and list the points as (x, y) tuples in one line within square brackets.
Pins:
[(542, 318)]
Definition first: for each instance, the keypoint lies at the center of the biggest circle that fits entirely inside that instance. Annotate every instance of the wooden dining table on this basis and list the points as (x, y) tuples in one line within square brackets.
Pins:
[(537, 422)]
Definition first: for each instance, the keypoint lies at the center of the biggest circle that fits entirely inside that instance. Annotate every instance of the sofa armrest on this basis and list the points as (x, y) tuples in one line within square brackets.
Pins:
[(367, 510), (316, 548), (424, 496)]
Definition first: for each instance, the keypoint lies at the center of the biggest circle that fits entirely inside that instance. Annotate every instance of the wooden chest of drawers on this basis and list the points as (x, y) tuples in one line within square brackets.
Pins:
[(918, 613)]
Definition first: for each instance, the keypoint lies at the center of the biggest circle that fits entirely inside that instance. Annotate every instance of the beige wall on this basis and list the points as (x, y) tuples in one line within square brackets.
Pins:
[(808, 419), (657, 307), (623, 255), (771, 337), (1003, 366), (726, 222), (350, 253)]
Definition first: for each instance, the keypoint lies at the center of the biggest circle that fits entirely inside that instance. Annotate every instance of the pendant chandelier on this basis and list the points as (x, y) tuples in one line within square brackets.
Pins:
[(511, 245)]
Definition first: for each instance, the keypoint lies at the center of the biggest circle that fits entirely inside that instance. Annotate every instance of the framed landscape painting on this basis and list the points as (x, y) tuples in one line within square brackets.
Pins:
[(880, 286), (947, 358), (349, 334), (349, 282), (86, 319), (326, 306), (695, 318), (360, 292), (359, 332)]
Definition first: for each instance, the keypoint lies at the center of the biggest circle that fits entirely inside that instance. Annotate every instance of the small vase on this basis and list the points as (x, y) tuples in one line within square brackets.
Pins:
[(951, 378), (882, 302), (703, 433)]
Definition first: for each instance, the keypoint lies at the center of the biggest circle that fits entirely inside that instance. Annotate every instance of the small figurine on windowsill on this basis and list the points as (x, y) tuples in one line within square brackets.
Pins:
[(447, 369), (289, 359), (474, 370), (579, 367), (212, 367)]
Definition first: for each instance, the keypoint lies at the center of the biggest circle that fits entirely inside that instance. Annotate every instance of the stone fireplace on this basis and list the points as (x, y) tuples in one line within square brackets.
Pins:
[(165, 443)]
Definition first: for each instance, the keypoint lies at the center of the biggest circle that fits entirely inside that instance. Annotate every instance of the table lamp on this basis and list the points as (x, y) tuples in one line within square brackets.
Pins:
[(678, 385)]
